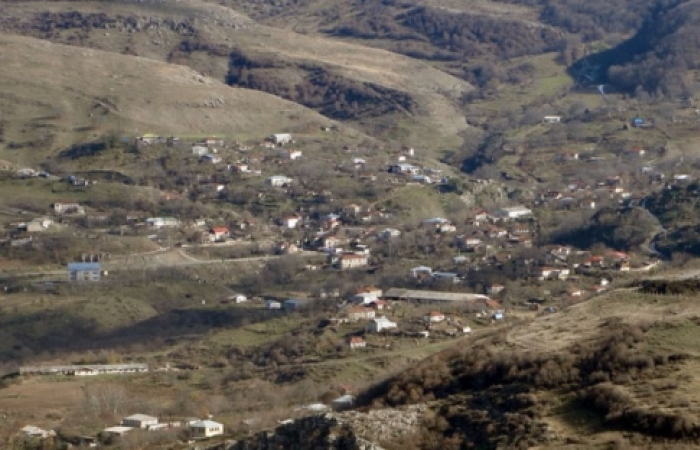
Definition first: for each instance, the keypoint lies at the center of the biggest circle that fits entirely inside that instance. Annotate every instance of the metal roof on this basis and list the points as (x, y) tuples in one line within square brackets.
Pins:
[(84, 266), (437, 296)]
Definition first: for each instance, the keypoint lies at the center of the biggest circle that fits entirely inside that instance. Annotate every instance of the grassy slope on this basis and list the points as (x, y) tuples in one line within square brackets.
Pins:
[(55, 95), (437, 121)]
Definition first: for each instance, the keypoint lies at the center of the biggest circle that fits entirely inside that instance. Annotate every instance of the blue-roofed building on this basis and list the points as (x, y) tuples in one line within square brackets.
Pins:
[(84, 271)]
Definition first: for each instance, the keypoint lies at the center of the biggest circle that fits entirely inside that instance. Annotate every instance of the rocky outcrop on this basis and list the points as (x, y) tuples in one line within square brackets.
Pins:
[(349, 430)]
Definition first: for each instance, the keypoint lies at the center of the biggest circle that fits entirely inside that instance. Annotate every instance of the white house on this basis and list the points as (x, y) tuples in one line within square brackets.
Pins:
[(291, 222), (272, 304), (449, 277), (360, 313), (68, 207), (420, 271), (514, 212), (161, 222), (199, 150), (352, 260), (35, 432), (343, 403), (117, 431), (211, 158), (388, 233), (36, 225), (206, 428), (433, 317), (278, 181), (366, 295), (404, 168), (552, 119), (139, 421), (238, 298), (290, 154), (281, 138), (379, 324)]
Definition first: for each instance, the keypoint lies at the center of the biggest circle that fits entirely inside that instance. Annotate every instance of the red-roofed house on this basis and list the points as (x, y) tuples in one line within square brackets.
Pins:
[(218, 234), (357, 342), (360, 313)]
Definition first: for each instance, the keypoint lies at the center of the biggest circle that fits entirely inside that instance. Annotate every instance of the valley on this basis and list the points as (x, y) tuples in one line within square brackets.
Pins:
[(429, 224)]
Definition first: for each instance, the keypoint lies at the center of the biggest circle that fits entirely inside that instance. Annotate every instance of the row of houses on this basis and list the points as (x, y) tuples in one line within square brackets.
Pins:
[(85, 369), (199, 429)]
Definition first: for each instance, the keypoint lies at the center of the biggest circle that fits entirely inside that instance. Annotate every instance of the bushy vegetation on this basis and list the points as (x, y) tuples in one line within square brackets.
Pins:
[(315, 87), (454, 36), (622, 229), (490, 397), (656, 60)]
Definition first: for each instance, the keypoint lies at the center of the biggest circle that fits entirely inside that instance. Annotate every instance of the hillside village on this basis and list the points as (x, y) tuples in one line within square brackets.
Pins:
[(359, 225)]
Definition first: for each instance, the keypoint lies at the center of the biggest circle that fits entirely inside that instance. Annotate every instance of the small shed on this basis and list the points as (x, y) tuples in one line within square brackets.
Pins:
[(343, 403)]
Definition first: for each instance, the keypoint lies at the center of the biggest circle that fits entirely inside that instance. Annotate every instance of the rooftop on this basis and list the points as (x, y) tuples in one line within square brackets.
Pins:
[(410, 294), (80, 266)]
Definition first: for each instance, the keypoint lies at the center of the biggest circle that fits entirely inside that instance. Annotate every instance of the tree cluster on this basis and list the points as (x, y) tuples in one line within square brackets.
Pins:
[(332, 94)]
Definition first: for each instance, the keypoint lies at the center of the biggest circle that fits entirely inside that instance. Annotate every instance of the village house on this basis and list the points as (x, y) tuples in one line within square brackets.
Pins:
[(281, 139), (290, 154), (494, 289), (513, 213), (139, 421), (420, 271), (218, 234), (238, 298), (333, 240), (352, 261), (286, 248), (84, 271), (469, 242), (440, 225), (32, 431), (481, 216), (446, 277), (379, 324), (366, 295), (162, 222), (239, 168), (380, 305), (637, 151), (291, 222), (343, 403), (329, 221), (278, 181), (211, 158), (388, 233), (68, 207), (548, 273), (273, 304), (356, 313), (352, 209), (35, 225), (357, 342), (433, 317), (404, 168), (551, 119), (205, 429), (199, 150)]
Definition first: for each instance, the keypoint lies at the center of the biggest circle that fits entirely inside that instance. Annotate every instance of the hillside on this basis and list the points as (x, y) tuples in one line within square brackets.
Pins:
[(662, 55), (367, 86), (621, 367), (55, 95)]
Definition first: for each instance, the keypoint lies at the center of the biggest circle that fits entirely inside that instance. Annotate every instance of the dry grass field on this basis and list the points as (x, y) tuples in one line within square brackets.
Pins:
[(85, 93)]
